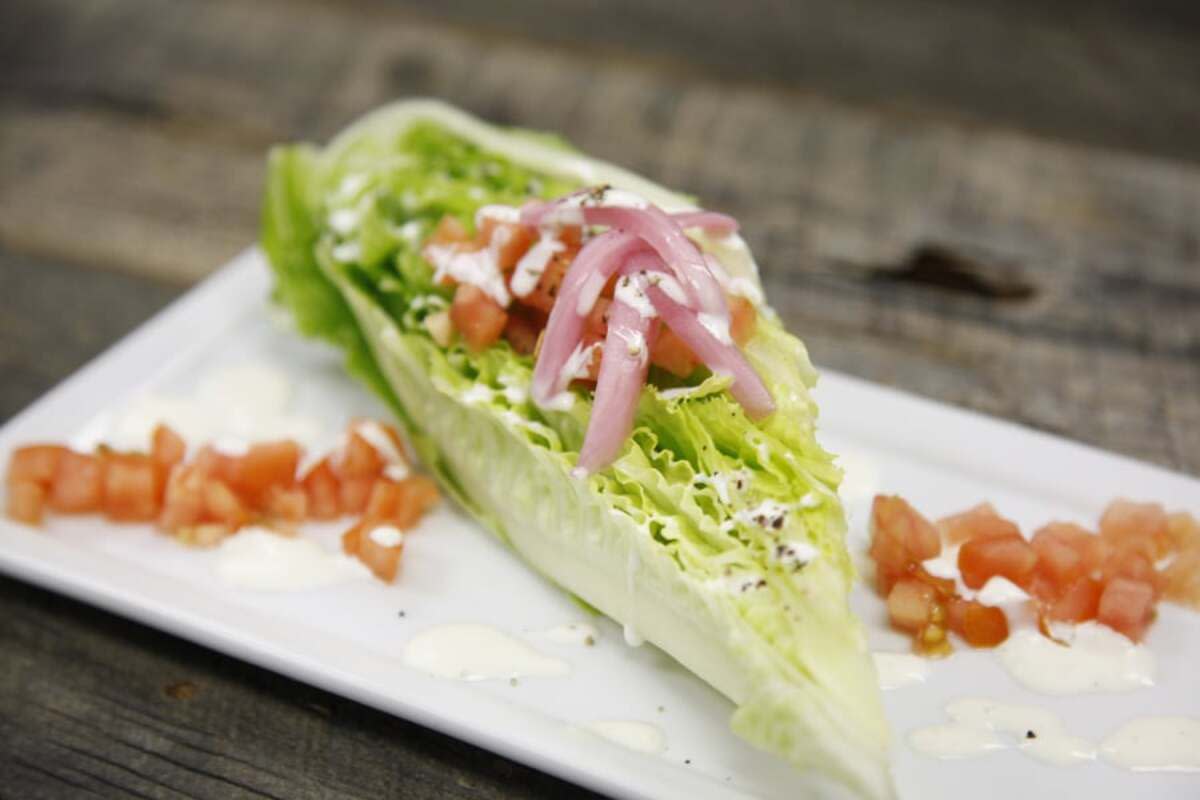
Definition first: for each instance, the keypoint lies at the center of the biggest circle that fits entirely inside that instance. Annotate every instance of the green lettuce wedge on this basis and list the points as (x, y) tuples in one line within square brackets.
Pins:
[(718, 539)]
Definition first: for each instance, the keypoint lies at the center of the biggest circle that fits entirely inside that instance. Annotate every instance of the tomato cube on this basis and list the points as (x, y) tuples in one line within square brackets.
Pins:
[(221, 504), (78, 485), (167, 446), (1181, 578), (264, 466), (35, 463), (323, 490), (287, 503), (1125, 524), (900, 539), (476, 316), (521, 330), (354, 493), (1126, 606), (671, 353), (508, 240), (911, 605), (26, 501), (133, 487), (382, 559), (1078, 601), (546, 292), (979, 522), (743, 319), (1010, 556), (980, 625)]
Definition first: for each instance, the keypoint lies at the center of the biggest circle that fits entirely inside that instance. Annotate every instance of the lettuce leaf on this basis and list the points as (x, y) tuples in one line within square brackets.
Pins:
[(718, 539)]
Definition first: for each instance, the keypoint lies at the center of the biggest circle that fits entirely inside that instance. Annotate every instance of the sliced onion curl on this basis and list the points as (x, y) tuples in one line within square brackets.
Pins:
[(599, 259), (622, 376)]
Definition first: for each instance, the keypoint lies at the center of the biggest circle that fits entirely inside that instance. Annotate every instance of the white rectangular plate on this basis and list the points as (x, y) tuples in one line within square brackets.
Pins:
[(348, 638)]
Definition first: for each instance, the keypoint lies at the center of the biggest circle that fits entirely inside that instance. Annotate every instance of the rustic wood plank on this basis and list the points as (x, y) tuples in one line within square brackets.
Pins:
[(832, 196), (92, 704)]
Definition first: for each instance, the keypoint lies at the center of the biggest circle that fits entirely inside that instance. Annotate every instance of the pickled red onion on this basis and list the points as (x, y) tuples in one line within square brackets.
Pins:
[(622, 376)]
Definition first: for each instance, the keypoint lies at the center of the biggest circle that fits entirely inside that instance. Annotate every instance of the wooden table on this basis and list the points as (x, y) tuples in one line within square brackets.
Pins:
[(989, 203)]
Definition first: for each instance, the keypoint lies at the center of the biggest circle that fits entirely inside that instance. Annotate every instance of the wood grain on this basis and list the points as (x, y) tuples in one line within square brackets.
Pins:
[(992, 204)]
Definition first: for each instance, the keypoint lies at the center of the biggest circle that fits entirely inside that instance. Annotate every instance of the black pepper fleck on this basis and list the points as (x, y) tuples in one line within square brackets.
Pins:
[(687, 761), (403, 614), (1030, 735)]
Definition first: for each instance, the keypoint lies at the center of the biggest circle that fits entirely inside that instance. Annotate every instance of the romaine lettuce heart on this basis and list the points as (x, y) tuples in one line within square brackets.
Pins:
[(718, 539)]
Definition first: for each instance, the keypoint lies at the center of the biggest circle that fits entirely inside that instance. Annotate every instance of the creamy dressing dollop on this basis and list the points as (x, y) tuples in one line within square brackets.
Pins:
[(259, 559), (474, 652), (640, 736), (1096, 659)]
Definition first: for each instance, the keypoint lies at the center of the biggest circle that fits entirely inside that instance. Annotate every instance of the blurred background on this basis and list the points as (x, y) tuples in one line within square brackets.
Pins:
[(995, 203)]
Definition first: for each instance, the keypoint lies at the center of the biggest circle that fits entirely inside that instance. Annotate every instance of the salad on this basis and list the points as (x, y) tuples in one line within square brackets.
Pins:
[(585, 362)]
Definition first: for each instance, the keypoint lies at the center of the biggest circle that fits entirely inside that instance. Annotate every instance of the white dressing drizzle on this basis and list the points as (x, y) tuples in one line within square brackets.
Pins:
[(1155, 744), (533, 264), (897, 670), (631, 290), (473, 652), (980, 726), (259, 559), (640, 736), (480, 268), (1098, 659), (386, 536)]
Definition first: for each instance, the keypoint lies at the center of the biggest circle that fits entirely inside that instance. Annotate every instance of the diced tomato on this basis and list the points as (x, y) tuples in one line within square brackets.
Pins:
[(287, 503), (323, 490), (1181, 578), (546, 292), (383, 561), (133, 487), (1077, 602), (1126, 524), (449, 230), (979, 625), (671, 353), (1057, 560), (383, 500), (358, 459), (1011, 557), (167, 446), (743, 319), (418, 495), (514, 240), (36, 463), (26, 500), (221, 504), (476, 316), (596, 322), (354, 493), (212, 463), (78, 483), (978, 522), (1126, 606), (911, 605), (1184, 532), (571, 236), (264, 466), (1089, 547), (183, 501), (592, 368), (900, 539), (522, 329), (1131, 563)]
